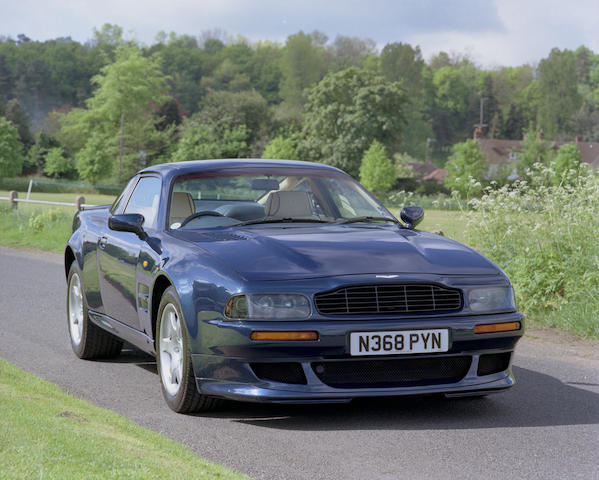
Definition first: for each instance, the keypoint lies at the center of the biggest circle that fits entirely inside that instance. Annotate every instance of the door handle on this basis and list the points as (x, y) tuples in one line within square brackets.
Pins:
[(102, 242)]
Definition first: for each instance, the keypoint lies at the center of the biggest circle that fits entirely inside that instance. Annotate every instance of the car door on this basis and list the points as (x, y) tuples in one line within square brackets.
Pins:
[(119, 252)]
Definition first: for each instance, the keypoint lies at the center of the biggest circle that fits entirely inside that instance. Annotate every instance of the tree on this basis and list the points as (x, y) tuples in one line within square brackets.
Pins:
[(466, 169), (201, 141), (302, 66), (11, 150), (558, 91), (377, 173), (57, 165), (534, 150), (123, 112), (95, 160), (15, 113), (567, 164), (282, 147), (346, 111)]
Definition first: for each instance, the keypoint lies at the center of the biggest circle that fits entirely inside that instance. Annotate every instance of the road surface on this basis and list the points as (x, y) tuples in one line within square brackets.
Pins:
[(547, 427)]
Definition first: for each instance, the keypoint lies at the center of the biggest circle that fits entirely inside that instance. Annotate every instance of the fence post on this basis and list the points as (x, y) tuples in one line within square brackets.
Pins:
[(79, 201), (12, 196)]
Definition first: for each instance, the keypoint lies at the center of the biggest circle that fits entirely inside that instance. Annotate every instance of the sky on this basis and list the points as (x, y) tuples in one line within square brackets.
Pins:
[(492, 32)]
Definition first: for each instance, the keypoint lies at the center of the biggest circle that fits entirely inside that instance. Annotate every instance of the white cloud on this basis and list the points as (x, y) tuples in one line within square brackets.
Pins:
[(531, 29)]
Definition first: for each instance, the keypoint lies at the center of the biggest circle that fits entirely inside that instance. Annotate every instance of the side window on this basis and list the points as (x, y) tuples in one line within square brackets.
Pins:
[(118, 203), (145, 200)]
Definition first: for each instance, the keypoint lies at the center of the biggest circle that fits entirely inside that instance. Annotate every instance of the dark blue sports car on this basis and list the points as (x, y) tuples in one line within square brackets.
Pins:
[(284, 281)]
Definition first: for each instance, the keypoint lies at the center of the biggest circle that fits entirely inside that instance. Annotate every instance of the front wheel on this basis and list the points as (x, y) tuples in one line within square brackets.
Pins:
[(88, 340), (173, 358)]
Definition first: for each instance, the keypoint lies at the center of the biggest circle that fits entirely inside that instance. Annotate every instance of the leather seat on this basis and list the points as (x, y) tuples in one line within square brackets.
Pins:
[(287, 204), (182, 206)]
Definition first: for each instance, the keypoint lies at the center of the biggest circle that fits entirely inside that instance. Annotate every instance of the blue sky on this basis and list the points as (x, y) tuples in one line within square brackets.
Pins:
[(493, 33)]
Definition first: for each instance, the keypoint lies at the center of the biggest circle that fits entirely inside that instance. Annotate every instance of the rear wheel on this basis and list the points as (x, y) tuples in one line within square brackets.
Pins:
[(88, 340), (173, 358)]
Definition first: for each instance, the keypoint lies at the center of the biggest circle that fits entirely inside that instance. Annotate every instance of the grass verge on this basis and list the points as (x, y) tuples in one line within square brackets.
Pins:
[(48, 434)]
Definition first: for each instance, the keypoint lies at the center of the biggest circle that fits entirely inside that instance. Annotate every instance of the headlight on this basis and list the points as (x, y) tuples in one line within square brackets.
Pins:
[(275, 306), (492, 299)]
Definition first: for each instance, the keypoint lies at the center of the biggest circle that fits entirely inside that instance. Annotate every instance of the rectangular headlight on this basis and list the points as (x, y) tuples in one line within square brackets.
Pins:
[(492, 299), (275, 306)]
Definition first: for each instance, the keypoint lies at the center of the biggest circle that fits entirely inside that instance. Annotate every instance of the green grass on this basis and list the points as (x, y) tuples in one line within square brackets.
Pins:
[(48, 434), (45, 229), (450, 222)]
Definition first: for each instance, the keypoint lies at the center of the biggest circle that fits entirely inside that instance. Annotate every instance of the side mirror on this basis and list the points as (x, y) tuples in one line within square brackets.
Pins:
[(412, 216), (127, 222)]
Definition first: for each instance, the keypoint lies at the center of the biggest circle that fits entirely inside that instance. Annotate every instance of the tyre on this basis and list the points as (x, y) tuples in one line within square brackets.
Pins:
[(88, 340), (173, 358)]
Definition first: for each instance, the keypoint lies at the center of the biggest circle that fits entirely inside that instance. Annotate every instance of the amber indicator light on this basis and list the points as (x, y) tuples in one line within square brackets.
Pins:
[(497, 327), (284, 336)]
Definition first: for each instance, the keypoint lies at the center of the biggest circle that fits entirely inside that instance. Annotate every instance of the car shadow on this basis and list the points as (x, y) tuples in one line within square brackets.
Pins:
[(131, 354), (537, 400)]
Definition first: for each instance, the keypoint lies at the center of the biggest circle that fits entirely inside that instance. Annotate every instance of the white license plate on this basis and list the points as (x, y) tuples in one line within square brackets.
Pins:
[(394, 342)]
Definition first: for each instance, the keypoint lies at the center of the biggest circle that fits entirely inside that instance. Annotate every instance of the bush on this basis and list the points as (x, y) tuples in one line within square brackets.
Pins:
[(466, 163), (57, 165), (545, 237), (377, 173), (11, 154)]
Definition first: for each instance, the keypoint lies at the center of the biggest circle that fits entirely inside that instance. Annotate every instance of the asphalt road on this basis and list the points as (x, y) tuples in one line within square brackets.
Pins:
[(547, 427)]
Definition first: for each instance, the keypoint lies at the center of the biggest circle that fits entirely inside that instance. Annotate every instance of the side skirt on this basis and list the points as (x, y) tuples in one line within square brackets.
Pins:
[(124, 332)]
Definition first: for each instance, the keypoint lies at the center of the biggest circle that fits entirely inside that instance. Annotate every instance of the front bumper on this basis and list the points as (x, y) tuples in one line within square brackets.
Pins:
[(226, 367)]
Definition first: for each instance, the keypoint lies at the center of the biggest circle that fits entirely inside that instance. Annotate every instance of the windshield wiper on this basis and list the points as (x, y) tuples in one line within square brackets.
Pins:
[(280, 220), (368, 219)]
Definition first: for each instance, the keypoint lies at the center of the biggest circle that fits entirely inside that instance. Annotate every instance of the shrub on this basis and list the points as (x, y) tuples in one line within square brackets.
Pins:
[(11, 158), (377, 173), (57, 165), (465, 164), (545, 237)]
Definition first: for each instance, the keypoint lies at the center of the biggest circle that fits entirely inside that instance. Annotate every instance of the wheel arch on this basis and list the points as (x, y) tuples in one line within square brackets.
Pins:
[(69, 258), (160, 285)]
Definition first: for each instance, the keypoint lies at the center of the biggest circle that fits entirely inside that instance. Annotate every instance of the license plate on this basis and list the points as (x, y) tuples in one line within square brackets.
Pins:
[(394, 342)]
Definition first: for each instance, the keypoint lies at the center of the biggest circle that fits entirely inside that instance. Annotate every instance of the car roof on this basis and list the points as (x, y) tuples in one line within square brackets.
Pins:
[(178, 168)]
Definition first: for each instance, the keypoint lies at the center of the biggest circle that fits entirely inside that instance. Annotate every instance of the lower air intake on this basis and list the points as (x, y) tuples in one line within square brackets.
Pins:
[(392, 372), (290, 372)]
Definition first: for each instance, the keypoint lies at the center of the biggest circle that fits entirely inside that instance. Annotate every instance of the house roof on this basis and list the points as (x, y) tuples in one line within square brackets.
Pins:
[(438, 175), (498, 151)]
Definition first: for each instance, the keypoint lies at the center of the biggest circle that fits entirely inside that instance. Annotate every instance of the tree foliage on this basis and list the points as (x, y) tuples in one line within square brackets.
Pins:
[(466, 169), (346, 112), (377, 173), (11, 159)]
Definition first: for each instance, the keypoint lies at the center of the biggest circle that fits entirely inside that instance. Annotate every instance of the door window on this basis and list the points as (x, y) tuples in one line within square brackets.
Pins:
[(145, 199)]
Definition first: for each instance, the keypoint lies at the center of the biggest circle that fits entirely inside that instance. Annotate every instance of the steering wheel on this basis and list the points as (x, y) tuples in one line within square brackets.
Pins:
[(203, 213)]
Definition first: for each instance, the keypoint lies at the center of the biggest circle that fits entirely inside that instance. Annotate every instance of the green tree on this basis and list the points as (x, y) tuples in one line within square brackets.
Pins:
[(346, 111), (466, 169), (534, 150), (201, 141), (559, 95), (57, 165), (95, 160), (302, 66), (377, 173), (11, 150), (567, 164), (122, 110), (282, 147)]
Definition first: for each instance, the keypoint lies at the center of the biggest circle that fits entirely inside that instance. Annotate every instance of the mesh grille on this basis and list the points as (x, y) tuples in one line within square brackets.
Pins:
[(280, 372), (493, 363), (392, 373), (396, 298)]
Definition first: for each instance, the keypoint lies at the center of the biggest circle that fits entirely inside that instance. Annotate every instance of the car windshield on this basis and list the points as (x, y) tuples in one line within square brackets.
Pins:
[(270, 195)]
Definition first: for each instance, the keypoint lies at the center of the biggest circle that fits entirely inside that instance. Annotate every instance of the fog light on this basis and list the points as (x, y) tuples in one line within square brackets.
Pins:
[(497, 327), (284, 336)]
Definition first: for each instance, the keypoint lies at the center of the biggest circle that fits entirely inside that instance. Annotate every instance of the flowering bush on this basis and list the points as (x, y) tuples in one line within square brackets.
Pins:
[(545, 236)]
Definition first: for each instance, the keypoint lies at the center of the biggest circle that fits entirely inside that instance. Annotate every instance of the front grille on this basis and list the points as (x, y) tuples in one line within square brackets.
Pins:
[(289, 372), (393, 372), (388, 298)]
